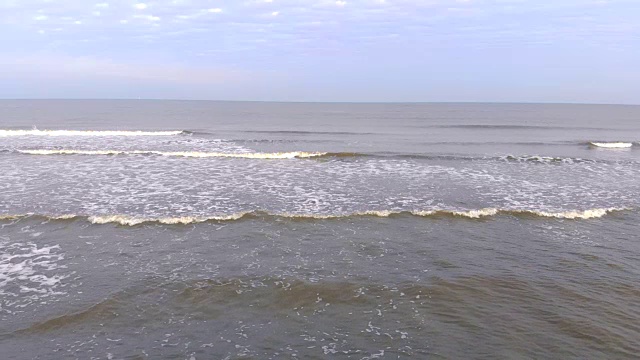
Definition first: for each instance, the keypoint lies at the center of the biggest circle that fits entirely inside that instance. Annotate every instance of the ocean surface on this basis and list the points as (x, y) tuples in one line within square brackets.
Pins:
[(222, 230)]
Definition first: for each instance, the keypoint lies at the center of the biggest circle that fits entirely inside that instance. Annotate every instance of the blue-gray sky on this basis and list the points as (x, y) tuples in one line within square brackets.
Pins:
[(323, 50)]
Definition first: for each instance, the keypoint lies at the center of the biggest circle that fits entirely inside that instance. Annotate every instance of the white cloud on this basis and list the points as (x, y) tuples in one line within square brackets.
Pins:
[(151, 18), (306, 21)]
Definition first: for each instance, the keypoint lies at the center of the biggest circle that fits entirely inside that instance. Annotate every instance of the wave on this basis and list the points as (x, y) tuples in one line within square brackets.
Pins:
[(190, 154), (304, 154), (132, 220), (299, 132), (48, 217), (184, 220), (512, 127), (612, 145), (504, 158), (572, 215), (545, 159), (36, 132)]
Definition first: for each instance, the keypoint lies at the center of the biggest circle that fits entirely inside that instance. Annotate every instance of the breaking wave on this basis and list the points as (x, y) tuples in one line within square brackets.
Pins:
[(544, 159), (298, 132), (511, 127), (612, 145), (185, 220), (191, 154), (132, 220), (36, 132), (304, 154)]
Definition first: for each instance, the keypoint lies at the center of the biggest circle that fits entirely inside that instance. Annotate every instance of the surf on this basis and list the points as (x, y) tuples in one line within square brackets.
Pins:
[(134, 220), (612, 145), (304, 154), (57, 133), (187, 154)]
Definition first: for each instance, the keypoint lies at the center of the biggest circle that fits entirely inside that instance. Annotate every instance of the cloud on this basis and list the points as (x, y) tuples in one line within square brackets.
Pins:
[(343, 20), (313, 38)]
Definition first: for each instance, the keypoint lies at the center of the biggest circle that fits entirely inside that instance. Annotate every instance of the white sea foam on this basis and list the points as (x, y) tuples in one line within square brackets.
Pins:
[(70, 152), (472, 214), (64, 217), (132, 220), (377, 213), (50, 217), (575, 214), (488, 212), (31, 269), (183, 220), (612, 145), (543, 159), (36, 132), (190, 154), (475, 214), (423, 212)]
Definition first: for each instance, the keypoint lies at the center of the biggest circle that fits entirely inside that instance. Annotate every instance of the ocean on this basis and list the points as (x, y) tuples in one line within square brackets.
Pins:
[(239, 230)]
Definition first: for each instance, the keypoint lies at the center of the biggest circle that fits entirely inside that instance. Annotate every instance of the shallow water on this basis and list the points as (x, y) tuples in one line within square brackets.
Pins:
[(416, 231)]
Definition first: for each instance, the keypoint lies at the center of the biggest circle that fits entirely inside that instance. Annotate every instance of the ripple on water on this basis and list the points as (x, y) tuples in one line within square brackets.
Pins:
[(268, 317)]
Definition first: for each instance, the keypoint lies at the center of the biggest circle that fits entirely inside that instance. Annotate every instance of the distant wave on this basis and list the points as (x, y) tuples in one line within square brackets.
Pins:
[(505, 158), (299, 132), (612, 145), (131, 220), (304, 154), (36, 132), (190, 154), (486, 212), (512, 127), (545, 159), (184, 220)]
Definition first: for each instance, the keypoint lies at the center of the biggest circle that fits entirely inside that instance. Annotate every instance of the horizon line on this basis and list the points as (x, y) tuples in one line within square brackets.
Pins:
[(326, 102)]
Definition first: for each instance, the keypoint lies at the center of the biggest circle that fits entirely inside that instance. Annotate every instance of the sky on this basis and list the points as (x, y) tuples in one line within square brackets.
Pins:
[(585, 51)]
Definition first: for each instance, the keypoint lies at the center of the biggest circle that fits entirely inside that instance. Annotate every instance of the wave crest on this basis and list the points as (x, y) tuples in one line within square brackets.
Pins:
[(184, 220), (132, 220), (544, 159), (612, 145), (189, 154), (572, 215), (36, 132), (304, 154)]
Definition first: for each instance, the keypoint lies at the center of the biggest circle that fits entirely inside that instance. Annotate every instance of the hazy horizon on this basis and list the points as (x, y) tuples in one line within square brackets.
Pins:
[(324, 102)]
